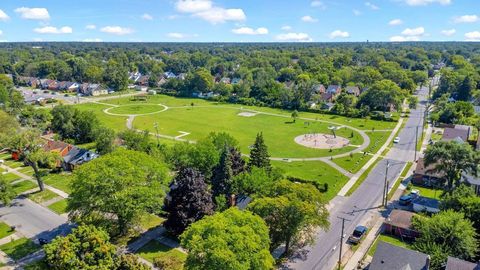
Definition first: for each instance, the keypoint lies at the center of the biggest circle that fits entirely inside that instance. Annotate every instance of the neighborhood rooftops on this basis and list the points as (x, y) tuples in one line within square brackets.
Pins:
[(390, 257), (457, 264), (458, 132), (400, 219), (429, 170)]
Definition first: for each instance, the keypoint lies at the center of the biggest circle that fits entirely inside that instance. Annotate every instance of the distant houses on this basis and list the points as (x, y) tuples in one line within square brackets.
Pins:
[(88, 89)]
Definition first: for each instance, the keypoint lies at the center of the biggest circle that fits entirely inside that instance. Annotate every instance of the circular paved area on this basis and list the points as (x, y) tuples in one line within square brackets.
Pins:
[(322, 141), (132, 109)]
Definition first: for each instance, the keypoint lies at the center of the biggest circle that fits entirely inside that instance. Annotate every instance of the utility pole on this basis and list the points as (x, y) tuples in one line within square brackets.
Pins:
[(385, 191), (416, 143), (341, 242)]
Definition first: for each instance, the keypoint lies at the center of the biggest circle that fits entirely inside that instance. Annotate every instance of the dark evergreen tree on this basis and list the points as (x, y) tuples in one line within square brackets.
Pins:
[(223, 175), (465, 90), (189, 200), (238, 164), (259, 154)]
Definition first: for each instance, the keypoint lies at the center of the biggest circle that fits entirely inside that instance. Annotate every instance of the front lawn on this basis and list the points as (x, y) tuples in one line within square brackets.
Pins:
[(23, 186), (10, 177), (43, 196), (154, 249), (5, 230), (429, 192), (59, 180), (59, 207), (389, 239), (19, 248)]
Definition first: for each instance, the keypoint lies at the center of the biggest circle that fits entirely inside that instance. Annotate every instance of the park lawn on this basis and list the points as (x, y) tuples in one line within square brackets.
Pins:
[(429, 192), (150, 221), (388, 239), (279, 132), (5, 230), (61, 181), (117, 123), (10, 177), (19, 248), (59, 207), (377, 140), (315, 171), (42, 196), (137, 108), (154, 249), (353, 164), (160, 99), (23, 186)]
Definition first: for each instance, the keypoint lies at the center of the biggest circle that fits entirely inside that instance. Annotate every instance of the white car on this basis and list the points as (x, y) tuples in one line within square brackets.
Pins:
[(396, 140)]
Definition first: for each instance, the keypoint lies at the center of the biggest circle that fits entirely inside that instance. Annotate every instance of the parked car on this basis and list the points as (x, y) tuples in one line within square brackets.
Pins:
[(407, 199), (357, 234), (396, 140), (42, 241)]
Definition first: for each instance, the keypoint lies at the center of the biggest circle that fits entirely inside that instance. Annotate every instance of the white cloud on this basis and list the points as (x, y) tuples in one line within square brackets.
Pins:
[(147, 17), (318, 4), (193, 6), (91, 27), (176, 35), (427, 2), (250, 31), (33, 13), (448, 32), (411, 32), (3, 16), (54, 30), (298, 37), (372, 6), (339, 34), (404, 38), (116, 30), (1, 32), (92, 40), (308, 18), (357, 12), (395, 22), (472, 36), (466, 19), (220, 15), (286, 28)]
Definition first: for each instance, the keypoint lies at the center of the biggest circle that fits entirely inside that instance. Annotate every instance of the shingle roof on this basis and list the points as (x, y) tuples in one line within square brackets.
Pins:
[(428, 171), (400, 219), (390, 257), (453, 133), (457, 264)]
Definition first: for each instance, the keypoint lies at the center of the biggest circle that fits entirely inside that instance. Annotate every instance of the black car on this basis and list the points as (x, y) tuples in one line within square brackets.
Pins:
[(406, 199), (42, 241), (357, 234)]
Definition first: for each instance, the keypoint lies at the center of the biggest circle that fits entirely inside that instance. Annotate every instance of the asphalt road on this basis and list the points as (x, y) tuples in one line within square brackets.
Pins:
[(33, 220), (364, 202)]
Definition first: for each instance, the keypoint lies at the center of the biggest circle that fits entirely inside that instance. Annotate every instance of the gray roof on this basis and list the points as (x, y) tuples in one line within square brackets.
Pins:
[(471, 178), (457, 264), (75, 156), (390, 257), (242, 202)]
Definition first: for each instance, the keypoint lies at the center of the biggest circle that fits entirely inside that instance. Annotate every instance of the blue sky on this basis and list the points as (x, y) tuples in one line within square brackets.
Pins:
[(239, 20)]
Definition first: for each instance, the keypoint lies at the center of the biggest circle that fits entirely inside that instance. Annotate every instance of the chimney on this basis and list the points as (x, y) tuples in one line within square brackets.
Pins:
[(232, 201)]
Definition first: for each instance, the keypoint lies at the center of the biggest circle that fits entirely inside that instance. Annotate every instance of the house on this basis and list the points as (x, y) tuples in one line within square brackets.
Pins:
[(399, 224), (143, 81), (93, 89), (236, 80), (182, 76), (458, 133), (62, 85), (390, 257), (426, 175), (225, 80), (327, 106), (72, 87), (77, 156), (327, 97), (134, 76), (353, 90), (334, 89), (169, 75), (240, 201), (457, 264), (44, 83), (424, 204), (54, 86), (472, 179), (161, 82), (59, 147), (319, 89)]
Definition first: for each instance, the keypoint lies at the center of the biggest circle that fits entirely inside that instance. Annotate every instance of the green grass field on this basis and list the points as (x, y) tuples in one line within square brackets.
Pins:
[(429, 192), (40, 197), (154, 249), (10, 177), (59, 207), (389, 239), (23, 186), (19, 248), (5, 230), (61, 181), (315, 171), (353, 164)]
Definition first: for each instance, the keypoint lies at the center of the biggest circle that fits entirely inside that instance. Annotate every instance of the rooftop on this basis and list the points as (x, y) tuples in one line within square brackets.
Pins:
[(457, 264), (400, 219), (390, 257)]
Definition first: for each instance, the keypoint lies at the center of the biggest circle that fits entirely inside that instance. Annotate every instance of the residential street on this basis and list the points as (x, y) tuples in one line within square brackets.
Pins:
[(364, 202), (33, 220)]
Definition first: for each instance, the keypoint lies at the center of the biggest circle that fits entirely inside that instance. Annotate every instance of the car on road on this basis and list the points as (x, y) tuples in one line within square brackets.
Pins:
[(357, 234), (396, 140)]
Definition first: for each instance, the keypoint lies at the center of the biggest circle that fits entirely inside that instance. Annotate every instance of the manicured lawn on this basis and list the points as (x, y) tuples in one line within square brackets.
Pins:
[(429, 192), (150, 221), (13, 163), (43, 196), (26, 170), (59, 180), (10, 177), (23, 186), (137, 109), (377, 140), (59, 207), (315, 171), (389, 239), (5, 230), (353, 164), (19, 248), (154, 249), (117, 123)]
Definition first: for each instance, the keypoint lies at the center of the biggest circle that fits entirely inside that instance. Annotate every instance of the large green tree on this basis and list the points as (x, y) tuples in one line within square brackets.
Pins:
[(449, 158), (7, 193), (382, 95), (293, 212), (115, 190), (445, 234), (231, 240), (259, 156)]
